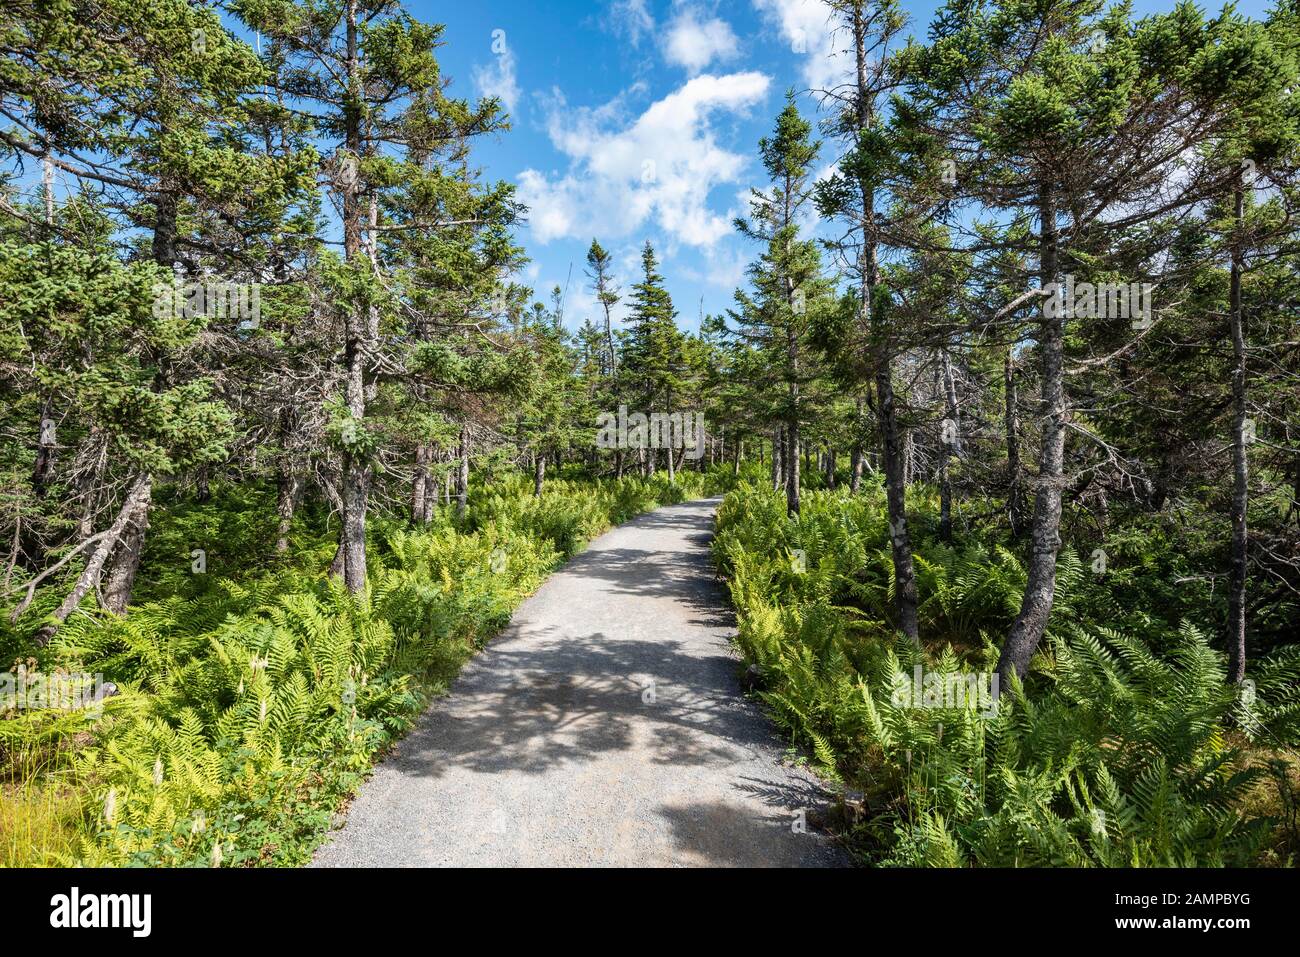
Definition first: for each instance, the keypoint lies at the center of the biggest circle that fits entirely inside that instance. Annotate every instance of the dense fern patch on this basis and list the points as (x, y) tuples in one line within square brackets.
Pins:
[(1124, 747), (252, 704)]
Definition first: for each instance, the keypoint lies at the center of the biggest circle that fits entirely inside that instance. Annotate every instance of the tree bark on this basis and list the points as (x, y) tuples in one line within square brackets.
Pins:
[(420, 483), (1011, 415), (792, 464), (126, 560), (1045, 532), (137, 495), (856, 453), (896, 502), (949, 446), (286, 504), (44, 452), (778, 468), (1236, 625), (357, 327), (462, 474), (869, 275), (539, 473)]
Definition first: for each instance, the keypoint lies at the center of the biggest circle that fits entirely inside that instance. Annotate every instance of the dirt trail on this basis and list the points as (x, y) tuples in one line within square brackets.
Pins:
[(605, 726)]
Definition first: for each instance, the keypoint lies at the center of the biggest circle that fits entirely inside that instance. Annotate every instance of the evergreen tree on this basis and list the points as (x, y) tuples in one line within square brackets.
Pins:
[(788, 287)]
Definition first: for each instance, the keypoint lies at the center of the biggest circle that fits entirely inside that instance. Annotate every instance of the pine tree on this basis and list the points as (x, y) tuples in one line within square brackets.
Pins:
[(650, 376), (788, 287)]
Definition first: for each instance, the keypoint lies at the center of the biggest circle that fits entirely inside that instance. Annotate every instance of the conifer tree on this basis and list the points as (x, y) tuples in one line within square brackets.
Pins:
[(786, 279)]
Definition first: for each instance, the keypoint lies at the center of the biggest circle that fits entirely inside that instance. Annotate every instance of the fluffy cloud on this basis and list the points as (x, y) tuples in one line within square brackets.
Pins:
[(806, 25), (630, 19), (660, 166), (498, 79), (693, 42), (722, 267)]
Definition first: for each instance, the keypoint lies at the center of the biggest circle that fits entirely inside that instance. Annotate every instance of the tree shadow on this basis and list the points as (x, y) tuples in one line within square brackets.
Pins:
[(540, 695), (560, 699), (724, 833), (618, 667)]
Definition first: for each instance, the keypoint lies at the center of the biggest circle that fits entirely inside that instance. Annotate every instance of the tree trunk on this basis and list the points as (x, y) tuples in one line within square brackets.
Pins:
[(462, 475), (792, 464), (420, 485), (949, 446), (891, 447), (126, 559), (1045, 532), (1236, 625), (44, 451), (896, 500), (358, 322), (1015, 490), (778, 468), (286, 503), (138, 494), (945, 498), (539, 473), (430, 490), (856, 457)]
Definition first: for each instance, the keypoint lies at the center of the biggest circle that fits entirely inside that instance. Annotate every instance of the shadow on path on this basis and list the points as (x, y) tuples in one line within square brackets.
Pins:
[(605, 725)]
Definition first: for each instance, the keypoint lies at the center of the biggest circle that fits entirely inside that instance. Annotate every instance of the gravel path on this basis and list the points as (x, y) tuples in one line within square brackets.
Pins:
[(605, 726)]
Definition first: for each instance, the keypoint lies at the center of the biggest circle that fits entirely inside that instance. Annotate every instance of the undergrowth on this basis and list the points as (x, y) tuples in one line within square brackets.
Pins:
[(1124, 747), (253, 699)]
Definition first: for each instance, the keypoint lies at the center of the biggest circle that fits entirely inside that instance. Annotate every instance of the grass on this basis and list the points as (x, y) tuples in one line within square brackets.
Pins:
[(41, 808)]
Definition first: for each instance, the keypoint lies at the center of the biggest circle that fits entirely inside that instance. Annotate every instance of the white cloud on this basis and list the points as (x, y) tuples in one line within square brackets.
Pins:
[(630, 19), (693, 42), (499, 79), (806, 25), (659, 167), (723, 267)]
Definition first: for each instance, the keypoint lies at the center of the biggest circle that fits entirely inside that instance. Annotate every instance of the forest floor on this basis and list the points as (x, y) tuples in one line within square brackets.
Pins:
[(605, 726)]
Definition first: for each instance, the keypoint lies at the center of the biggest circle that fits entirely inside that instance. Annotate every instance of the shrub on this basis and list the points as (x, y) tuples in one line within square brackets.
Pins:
[(251, 705), (1125, 747)]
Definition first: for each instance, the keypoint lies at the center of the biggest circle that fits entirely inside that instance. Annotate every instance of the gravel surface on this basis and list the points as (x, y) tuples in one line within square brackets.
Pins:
[(604, 726)]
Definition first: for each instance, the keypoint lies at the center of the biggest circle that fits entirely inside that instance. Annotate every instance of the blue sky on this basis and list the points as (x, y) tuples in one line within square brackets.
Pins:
[(638, 119)]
